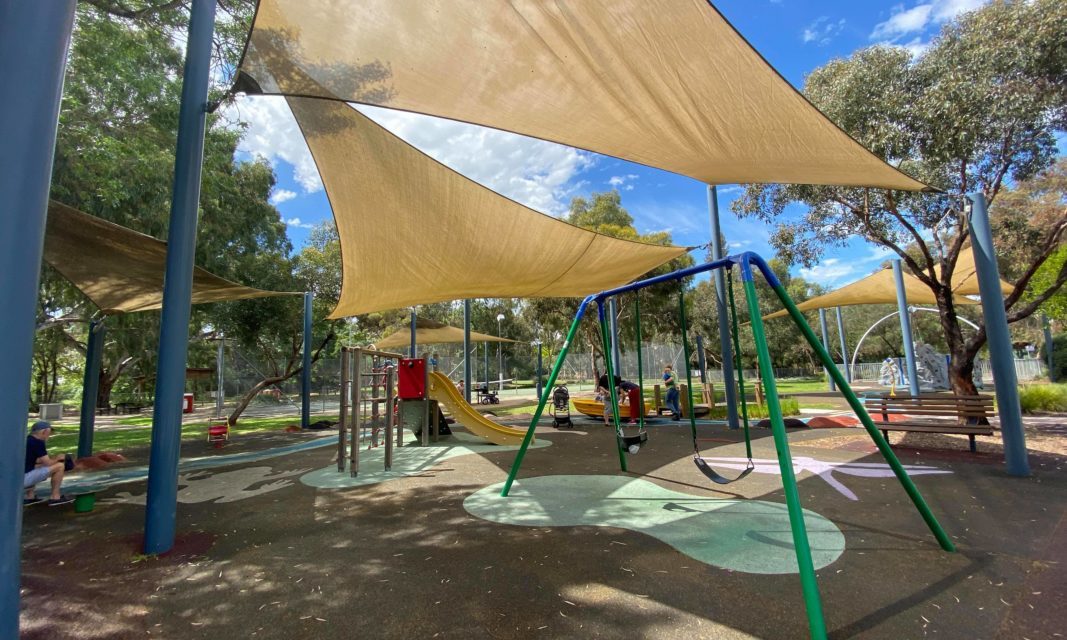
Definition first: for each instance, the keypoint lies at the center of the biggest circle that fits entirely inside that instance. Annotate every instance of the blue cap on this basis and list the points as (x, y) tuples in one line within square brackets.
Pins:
[(40, 425)]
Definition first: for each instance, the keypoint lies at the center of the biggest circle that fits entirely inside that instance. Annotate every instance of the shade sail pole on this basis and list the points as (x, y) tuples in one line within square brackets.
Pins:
[(34, 38), (94, 347), (826, 345), (720, 310), (905, 329), (844, 346), (220, 361), (467, 350), (162, 506), (305, 375), (1001, 356), (414, 321)]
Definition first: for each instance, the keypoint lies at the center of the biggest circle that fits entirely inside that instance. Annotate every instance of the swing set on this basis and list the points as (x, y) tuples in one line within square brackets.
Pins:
[(632, 443)]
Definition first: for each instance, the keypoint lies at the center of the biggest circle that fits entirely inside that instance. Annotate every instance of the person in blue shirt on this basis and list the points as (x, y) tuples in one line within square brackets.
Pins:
[(40, 466), (670, 380)]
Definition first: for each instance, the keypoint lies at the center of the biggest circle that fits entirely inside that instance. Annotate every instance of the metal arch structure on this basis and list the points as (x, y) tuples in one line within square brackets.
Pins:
[(856, 353), (746, 261)]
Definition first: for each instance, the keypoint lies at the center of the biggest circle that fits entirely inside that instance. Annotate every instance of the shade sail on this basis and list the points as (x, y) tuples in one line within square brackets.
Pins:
[(880, 288), (432, 332), (119, 269), (414, 232), (666, 84)]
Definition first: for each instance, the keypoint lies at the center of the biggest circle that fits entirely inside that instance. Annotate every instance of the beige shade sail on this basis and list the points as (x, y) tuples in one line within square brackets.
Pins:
[(432, 332), (667, 84), (121, 270), (881, 288), (414, 231)]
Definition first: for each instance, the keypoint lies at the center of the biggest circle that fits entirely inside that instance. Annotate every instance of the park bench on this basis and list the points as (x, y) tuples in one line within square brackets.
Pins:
[(933, 413)]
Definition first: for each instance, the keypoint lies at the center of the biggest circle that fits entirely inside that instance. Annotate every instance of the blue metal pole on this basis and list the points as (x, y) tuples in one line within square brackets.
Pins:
[(702, 360), (485, 346), (613, 325), (34, 37), (467, 363), (1046, 326), (905, 328), (94, 347), (844, 346), (540, 367), (305, 375), (1001, 356), (414, 321), (826, 345), (162, 506), (729, 386)]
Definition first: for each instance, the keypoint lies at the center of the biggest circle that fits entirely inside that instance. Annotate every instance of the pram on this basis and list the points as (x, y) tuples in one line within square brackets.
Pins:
[(561, 407), (485, 396)]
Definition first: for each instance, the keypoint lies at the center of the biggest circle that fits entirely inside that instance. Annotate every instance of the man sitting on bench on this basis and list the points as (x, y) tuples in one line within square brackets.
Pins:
[(40, 466)]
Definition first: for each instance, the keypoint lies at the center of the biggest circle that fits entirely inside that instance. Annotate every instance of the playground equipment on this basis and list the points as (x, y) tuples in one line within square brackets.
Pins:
[(367, 383), (745, 262), (561, 407), (442, 391)]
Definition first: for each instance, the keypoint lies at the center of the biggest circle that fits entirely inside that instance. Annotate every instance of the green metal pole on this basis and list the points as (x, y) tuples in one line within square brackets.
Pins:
[(808, 582), (737, 363), (604, 330), (640, 362), (688, 373), (556, 367), (868, 424)]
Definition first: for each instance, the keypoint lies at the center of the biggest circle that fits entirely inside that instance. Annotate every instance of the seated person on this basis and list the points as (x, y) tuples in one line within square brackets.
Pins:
[(40, 466)]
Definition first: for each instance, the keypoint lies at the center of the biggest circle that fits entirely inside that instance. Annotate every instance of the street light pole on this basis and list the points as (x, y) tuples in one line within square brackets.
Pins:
[(500, 351)]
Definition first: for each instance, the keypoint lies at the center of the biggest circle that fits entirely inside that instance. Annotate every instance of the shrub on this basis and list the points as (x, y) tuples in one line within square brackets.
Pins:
[(1043, 397)]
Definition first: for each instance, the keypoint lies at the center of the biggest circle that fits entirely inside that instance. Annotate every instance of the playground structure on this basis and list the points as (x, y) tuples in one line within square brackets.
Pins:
[(441, 390), (368, 398), (745, 261)]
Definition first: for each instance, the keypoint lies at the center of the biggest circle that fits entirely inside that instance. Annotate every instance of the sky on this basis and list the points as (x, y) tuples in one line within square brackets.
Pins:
[(795, 36)]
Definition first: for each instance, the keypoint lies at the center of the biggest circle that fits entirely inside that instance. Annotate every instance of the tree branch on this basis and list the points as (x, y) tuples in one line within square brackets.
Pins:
[(1050, 244), (120, 11), (1032, 306)]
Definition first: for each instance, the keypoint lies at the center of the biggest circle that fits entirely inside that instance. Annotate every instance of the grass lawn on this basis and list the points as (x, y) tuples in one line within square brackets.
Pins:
[(139, 434)]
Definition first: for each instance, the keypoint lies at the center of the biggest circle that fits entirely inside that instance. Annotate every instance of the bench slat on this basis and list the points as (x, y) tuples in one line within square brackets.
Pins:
[(927, 428)]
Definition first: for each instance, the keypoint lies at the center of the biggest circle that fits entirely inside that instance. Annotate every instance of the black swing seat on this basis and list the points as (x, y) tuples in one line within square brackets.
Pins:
[(714, 476), (625, 442)]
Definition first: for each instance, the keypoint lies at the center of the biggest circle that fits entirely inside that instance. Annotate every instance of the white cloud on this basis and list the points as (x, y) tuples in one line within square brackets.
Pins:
[(620, 181), (916, 20), (828, 272), (273, 134), (536, 173), (822, 31), (282, 195), (296, 222)]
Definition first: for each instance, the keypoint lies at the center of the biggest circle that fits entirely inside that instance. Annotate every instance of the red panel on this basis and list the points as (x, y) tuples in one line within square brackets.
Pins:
[(411, 379)]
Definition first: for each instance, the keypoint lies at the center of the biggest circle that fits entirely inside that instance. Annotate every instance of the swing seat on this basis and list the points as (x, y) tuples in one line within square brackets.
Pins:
[(626, 442), (714, 476)]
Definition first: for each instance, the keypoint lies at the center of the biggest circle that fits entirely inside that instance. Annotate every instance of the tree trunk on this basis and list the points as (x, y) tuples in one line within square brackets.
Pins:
[(960, 376), (247, 398), (107, 383)]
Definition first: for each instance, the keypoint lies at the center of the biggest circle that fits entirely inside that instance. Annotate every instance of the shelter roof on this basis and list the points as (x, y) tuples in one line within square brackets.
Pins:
[(121, 270), (414, 231), (665, 84), (432, 332)]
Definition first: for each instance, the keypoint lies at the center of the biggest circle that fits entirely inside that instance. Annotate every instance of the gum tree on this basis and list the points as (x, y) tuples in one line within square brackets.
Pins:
[(980, 110)]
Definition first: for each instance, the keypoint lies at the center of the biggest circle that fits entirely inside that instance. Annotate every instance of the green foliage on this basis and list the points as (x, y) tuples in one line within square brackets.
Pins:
[(1043, 398), (1059, 357)]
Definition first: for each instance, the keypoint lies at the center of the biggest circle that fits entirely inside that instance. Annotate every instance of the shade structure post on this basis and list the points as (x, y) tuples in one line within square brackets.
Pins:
[(34, 38), (220, 362), (801, 546), (1046, 327), (702, 360), (485, 356), (1001, 356), (719, 278), (521, 453), (826, 345), (161, 507), (613, 327), (844, 346), (540, 366), (467, 350), (414, 320), (94, 347), (305, 375), (905, 329)]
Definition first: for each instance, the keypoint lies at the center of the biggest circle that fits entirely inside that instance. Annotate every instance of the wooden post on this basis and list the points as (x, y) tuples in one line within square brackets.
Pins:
[(657, 395), (683, 390), (709, 394)]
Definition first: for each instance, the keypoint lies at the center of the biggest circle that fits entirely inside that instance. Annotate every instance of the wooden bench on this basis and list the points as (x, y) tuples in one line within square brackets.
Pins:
[(970, 412)]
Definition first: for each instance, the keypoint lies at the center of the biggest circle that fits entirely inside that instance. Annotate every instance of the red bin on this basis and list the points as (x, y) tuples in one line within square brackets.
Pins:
[(411, 379), (187, 406)]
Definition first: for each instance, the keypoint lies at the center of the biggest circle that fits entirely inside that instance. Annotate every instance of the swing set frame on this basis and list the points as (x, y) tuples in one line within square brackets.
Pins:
[(745, 261)]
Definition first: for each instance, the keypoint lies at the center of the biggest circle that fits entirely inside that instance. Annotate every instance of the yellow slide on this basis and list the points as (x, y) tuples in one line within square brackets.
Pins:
[(446, 393)]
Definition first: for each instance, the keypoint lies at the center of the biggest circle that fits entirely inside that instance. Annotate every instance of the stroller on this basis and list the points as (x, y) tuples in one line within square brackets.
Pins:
[(561, 407)]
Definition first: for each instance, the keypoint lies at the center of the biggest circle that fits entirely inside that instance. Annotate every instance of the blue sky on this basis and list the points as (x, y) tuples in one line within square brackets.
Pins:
[(795, 36)]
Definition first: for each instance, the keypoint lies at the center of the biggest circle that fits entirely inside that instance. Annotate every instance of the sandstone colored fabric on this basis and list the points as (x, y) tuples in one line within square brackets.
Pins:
[(432, 332), (119, 269), (668, 83), (881, 288), (414, 231)]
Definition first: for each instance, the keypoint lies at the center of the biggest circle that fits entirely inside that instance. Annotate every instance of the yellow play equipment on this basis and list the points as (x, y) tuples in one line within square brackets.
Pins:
[(444, 392)]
